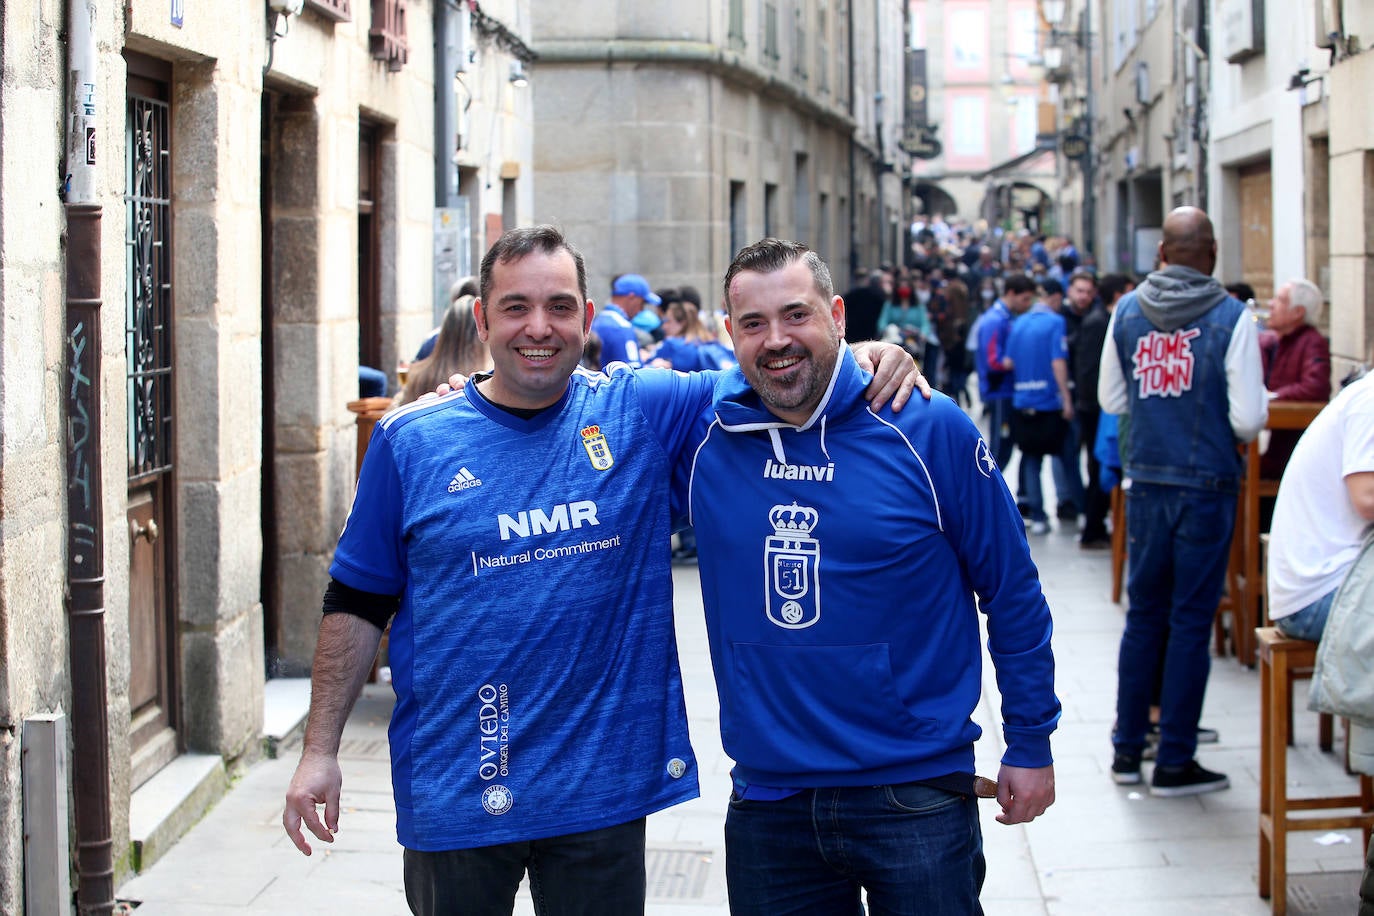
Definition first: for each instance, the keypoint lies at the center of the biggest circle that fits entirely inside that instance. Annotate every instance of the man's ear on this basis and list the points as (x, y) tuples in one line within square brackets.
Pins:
[(837, 313), (479, 317), (587, 322)]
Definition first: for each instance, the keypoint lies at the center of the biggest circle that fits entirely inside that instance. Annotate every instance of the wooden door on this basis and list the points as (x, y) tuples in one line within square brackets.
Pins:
[(148, 345), (1256, 234)]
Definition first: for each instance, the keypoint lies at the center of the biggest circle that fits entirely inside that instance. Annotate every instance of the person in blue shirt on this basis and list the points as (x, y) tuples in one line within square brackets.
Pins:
[(846, 694), (615, 321), (514, 534), (1042, 405), (994, 369)]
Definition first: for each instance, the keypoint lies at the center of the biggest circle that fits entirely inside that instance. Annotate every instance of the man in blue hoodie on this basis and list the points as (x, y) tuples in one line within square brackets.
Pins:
[(1182, 360), (846, 693)]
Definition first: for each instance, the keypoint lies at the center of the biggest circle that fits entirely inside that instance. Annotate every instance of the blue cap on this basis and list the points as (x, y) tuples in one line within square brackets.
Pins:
[(635, 285)]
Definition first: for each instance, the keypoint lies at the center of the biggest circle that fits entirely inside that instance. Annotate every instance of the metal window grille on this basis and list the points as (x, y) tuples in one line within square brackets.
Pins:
[(148, 299)]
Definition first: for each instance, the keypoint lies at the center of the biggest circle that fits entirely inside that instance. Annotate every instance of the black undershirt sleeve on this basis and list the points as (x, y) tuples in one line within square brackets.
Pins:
[(374, 608)]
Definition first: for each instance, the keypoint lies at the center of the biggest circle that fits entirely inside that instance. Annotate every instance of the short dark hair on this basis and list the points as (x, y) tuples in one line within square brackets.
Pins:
[(769, 255), (690, 294), (1083, 273), (1241, 290), (1017, 284), (1110, 286), (515, 244)]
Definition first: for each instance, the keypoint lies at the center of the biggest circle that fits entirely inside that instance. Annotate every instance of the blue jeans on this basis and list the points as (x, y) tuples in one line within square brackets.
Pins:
[(1030, 492), (915, 849), (1309, 622), (1180, 539), (999, 435), (597, 873)]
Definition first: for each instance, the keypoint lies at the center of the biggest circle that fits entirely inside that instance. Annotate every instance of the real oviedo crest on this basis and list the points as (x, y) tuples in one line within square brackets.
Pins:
[(597, 448), (791, 567)]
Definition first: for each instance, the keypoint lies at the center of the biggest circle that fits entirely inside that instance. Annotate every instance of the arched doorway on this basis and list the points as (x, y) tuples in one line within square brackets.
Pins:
[(930, 199)]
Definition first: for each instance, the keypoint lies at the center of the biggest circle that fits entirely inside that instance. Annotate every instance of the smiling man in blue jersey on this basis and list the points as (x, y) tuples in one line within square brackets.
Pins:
[(515, 534), (840, 606)]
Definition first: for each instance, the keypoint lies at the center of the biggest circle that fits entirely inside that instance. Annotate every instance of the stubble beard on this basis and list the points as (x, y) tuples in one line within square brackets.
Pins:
[(799, 388)]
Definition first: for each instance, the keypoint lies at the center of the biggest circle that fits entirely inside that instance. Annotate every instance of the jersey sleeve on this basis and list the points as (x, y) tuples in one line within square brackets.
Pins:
[(371, 553), (985, 530), (677, 406)]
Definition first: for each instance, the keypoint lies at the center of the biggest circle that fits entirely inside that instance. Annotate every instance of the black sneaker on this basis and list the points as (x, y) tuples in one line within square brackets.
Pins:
[(1126, 769), (1066, 512), (1191, 779)]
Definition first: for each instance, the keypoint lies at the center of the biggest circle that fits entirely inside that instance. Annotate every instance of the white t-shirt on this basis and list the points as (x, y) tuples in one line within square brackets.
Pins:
[(1316, 532)]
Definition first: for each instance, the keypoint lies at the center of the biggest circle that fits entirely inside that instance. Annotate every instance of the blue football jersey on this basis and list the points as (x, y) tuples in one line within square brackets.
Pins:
[(533, 653)]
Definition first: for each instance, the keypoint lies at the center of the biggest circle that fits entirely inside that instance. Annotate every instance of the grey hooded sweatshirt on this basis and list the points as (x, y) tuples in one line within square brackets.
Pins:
[(1175, 295)]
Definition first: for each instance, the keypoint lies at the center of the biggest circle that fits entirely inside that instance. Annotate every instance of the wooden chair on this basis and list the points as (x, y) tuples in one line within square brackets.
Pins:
[(1283, 661)]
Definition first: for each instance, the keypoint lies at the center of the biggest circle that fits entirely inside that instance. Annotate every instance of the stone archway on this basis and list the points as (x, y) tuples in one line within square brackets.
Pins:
[(931, 199)]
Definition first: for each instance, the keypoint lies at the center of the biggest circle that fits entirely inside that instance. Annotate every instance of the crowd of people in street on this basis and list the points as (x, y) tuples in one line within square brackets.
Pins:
[(529, 598)]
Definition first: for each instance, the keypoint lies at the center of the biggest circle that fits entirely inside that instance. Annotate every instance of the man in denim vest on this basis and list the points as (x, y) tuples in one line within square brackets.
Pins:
[(1182, 361)]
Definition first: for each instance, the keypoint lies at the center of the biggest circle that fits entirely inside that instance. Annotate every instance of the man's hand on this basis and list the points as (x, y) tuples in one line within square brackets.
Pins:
[(1023, 793), (1067, 411), (455, 381), (895, 373), (317, 781)]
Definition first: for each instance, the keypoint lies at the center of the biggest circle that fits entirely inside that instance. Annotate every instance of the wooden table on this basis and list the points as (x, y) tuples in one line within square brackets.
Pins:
[(1244, 578)]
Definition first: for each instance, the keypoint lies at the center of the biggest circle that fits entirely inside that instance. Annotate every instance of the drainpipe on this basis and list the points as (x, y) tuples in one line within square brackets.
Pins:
[(853, 142), (85, 586), (446, 52)]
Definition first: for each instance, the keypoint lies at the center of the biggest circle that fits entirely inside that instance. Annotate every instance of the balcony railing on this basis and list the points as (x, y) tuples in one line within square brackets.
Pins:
[(337, 10), (387, 37)]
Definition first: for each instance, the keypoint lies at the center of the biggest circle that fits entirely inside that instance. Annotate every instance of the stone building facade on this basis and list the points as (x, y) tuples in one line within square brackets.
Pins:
[(670, 135), (265, 179)]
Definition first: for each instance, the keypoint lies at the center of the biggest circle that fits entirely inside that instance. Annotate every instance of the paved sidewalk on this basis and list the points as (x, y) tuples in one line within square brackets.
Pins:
[(1101, 849)]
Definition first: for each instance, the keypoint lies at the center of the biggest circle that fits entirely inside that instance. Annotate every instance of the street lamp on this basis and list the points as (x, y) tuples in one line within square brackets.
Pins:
[(1053, 11)]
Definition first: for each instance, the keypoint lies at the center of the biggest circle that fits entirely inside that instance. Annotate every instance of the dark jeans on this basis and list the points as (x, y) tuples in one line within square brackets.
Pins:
[(597, 873), (1180, 539), (915, 849), (1068, 479), (1096, 502), (999, 430)]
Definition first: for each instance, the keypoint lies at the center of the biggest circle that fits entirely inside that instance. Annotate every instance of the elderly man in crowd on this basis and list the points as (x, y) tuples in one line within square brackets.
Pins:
[(1297, 362)]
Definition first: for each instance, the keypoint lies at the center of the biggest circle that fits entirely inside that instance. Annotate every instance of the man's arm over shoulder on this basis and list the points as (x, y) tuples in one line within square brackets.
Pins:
[(1249, 402), (673, 403), (984, 528)]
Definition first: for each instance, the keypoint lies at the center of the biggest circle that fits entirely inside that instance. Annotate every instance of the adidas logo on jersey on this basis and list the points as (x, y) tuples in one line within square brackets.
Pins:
[(463, 480)]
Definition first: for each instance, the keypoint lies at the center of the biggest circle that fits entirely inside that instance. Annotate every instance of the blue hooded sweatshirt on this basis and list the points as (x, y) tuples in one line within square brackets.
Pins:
[(839, 565)]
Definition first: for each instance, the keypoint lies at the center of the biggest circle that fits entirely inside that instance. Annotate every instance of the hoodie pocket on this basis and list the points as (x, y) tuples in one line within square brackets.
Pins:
[(824, 709)]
